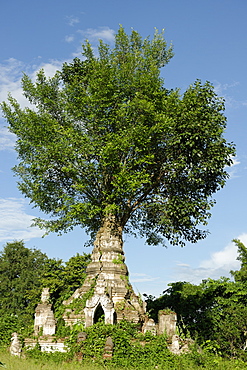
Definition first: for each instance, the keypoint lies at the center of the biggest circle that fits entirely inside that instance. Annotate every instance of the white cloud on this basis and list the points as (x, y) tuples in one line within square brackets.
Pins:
[(104, 33), (94, 35), (225, 259), (141, 278), (7, 139), (219, 264), (220, 88), (235, 161), (15, 223), (192, 275), (243, 238), (10, 79), (11, 73), (183, 264), (72, 20), (11, 67), (69, 38), (233, 169), (49, 68), (230, 101)]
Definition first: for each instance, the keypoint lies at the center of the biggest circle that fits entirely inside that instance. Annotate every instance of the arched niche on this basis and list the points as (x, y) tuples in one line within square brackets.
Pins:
[(99, 306), (98, 313)]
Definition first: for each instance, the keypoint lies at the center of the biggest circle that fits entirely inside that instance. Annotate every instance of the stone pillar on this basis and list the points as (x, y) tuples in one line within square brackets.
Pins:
[(108, 350), (149, 325), (167, 323)]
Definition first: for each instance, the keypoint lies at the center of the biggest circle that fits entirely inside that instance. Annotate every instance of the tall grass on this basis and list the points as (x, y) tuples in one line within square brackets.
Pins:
[(16, 363), (184, 363)]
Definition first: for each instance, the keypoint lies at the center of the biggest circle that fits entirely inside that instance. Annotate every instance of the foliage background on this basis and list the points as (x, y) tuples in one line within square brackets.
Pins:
[(213, 312), (24, 273)]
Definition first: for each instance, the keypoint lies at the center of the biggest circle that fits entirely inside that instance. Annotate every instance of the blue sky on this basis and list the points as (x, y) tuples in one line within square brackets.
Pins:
[(209, 38)]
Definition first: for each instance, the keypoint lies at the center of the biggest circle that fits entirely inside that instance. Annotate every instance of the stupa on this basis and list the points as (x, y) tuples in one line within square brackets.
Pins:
[(106, 291)]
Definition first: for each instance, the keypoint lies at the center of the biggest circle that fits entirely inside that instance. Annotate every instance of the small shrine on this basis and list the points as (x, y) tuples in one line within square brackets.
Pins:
[(44, 321), (45, 327)]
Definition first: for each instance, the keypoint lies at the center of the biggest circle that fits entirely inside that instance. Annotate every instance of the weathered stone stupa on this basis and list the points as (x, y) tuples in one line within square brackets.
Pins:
[(106, 289), (106, 292), (44, 320)]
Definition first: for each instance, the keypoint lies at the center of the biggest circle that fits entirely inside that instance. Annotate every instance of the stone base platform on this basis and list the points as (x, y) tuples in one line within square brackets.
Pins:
[(47, 343)]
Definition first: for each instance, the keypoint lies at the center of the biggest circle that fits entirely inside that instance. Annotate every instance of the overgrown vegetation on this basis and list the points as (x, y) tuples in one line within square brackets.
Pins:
[(213, 312), (132, 350), (23, 274), (184, 363)]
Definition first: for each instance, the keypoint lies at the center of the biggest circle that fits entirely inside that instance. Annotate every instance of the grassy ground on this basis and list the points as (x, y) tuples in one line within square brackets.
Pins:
[(15, 363)]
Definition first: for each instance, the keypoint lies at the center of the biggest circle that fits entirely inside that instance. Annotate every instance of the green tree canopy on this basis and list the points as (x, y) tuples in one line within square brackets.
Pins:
[(213, 312), (63, 279), (24, 273), (105, 139), (21, 271), (241, 275)]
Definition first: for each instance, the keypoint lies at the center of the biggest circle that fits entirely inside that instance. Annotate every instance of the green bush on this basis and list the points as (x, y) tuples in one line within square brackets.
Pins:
[(132, 350)]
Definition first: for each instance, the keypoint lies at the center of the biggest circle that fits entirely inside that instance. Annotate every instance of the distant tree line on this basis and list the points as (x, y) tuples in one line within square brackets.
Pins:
[(213, 312), (24, 273)]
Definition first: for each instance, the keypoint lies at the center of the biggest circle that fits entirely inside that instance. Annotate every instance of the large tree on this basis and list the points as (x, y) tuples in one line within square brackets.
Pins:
[(105, 143)]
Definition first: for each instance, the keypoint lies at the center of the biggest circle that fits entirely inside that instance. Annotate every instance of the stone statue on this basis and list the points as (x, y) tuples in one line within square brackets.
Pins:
[(108, 350), (45, 295), (15, 346)]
